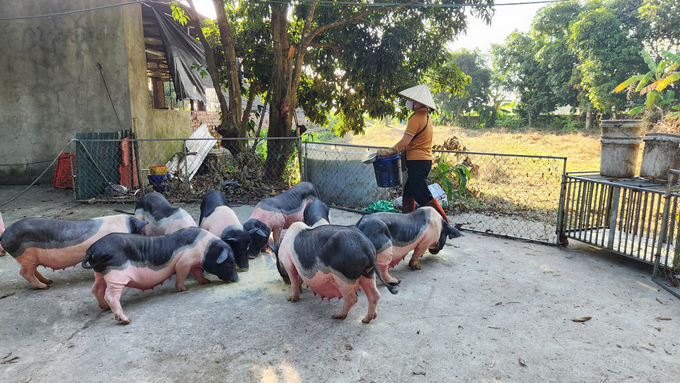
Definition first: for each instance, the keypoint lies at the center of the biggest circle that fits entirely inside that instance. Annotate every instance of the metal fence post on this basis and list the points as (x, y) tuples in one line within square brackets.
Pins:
[(616, 192), (186, 167), (560, 206), (305, 159), (71, 155)]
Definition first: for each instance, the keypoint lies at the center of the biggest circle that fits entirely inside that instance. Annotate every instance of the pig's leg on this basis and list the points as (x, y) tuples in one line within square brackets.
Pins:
[(373, 296), (198, 275), (295, 284), (42, 278), (99, 289), (413, 263), (112, 296), (28, 272), (180, 277), (383, 261), (348, 294), (276, 234)]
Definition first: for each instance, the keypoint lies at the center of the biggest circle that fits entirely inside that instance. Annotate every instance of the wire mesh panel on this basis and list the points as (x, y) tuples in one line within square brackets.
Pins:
[(340, 176), (247, 170), (507, 195), (623, 216)]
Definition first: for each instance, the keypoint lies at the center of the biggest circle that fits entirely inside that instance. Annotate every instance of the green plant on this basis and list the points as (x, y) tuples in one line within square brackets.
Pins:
[(653, 83), (452, 178)]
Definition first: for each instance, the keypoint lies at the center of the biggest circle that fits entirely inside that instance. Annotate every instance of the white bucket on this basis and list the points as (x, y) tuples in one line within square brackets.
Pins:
[(662, 153), (618, 156)]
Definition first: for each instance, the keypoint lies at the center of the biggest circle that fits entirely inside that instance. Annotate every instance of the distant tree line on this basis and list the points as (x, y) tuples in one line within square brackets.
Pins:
[(574, 56)]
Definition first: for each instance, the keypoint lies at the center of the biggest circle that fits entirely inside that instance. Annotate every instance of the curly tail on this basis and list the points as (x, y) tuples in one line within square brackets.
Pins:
[(391, 287), (88, 259)]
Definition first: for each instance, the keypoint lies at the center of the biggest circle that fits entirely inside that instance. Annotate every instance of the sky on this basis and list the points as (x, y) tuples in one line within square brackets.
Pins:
[(505, 20), (479, 35)]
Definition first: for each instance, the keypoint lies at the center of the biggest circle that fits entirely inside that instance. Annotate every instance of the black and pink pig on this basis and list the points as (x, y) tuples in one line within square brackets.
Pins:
[(162, 217), (334, 261), (394, 235), (58, 244), (280, 211), (218, 218), (143, 262)]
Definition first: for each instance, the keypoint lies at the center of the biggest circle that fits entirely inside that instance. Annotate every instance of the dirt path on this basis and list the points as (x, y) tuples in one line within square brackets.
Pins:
[(484, 310)]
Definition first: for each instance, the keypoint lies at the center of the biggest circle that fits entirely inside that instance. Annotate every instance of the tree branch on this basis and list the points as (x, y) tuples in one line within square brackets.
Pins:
[(355, 17), (246, 111)]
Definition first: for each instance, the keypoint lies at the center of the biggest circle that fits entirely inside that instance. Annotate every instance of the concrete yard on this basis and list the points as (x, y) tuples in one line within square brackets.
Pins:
[(485, 309)]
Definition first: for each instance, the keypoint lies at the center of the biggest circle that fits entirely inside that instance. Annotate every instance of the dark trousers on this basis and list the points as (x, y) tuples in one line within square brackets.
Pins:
[(416, 184)]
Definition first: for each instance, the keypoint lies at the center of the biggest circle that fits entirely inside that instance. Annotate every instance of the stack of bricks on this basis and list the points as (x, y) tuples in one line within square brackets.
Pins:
[(212, 119)]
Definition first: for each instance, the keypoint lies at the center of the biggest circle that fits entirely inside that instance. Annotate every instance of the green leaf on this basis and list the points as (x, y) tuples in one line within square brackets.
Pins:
[(650, 63), (668, 80), (677, 107), (637, 110), (651, 97), (671, 56), (627, 83), (644, 81)]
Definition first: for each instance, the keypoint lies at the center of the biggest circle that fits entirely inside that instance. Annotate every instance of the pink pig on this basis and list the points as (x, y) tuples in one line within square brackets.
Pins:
[(279, 212), (394, 235), (142, 262), (58, 244), (334, 261)]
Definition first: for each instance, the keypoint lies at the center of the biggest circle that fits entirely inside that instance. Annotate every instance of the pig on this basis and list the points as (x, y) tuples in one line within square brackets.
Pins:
[(394, 235), (144, 262), (316, 213), (162, 217), (58, 244), (280, 211), (218, 218), (334, 261), (259, 235)]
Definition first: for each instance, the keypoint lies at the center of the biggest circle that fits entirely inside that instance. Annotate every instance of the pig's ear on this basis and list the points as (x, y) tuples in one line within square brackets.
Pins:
[(252, 230), (223, 257), (453, 232), (231, 240), (138, 225)]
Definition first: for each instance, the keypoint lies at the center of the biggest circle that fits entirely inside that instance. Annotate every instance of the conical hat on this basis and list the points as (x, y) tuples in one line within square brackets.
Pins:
[(419, 93)]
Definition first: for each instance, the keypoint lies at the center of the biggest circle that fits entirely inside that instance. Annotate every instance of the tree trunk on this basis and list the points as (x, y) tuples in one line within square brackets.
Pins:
[(283, 100), (589, 119)]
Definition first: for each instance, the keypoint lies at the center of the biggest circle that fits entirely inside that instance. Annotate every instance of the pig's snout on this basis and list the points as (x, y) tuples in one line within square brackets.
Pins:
[(242, 269)]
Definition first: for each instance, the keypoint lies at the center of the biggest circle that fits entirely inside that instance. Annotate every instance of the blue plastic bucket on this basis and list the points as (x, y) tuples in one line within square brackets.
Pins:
[(388, 171), (158, 182)]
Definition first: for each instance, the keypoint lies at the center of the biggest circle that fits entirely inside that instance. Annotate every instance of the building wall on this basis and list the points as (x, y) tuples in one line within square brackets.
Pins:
[(51, 88)]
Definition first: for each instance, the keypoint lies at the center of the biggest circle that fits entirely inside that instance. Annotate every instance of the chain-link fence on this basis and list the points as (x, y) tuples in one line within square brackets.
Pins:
[(247, 170), (506, 195), (515, 196)]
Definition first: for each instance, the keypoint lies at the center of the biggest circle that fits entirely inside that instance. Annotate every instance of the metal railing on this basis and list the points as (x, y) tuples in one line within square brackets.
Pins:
[(669, 269)]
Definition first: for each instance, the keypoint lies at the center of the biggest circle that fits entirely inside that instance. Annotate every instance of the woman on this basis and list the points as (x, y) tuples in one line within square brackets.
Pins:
[(417, 140)]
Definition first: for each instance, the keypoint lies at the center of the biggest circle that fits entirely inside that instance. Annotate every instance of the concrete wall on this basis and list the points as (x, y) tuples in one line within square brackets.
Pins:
[(50, 87)]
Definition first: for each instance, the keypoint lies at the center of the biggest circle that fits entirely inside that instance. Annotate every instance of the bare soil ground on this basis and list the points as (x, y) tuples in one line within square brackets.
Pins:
[(484, 310)]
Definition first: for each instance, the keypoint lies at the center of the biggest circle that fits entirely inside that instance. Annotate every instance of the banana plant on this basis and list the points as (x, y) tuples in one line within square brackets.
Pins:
[(653, 83), (450, 177)]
